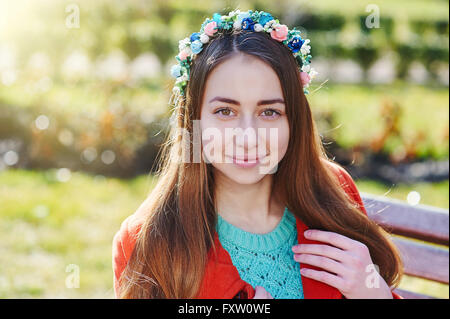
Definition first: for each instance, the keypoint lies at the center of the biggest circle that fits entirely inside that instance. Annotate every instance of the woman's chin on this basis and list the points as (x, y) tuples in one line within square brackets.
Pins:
[(239, 175)]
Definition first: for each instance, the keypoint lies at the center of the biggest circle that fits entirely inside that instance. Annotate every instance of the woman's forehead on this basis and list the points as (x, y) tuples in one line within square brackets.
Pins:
[(243, 79)]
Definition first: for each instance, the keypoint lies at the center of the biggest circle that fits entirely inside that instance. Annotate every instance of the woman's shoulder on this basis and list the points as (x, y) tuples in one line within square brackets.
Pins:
[(336, 168), (340, 172), (130, 227), (346, 182), (125, 238)]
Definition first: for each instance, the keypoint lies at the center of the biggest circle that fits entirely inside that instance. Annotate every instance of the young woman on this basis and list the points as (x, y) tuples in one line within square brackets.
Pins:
[(243, 175)]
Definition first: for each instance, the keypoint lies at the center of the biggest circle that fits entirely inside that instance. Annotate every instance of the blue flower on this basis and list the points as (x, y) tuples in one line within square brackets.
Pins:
[(295, 44), (195, 36), (218, 18), (175, 71), (196, 46), (264, 18), (248, 24)]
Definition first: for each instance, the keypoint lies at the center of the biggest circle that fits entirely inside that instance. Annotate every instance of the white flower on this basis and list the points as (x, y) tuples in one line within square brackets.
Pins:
[(258, 27), (306, 48), (187, 50), (237, 24), (176, 90), (233, 13), (312, 73), (183, 43), (204, 38), (269, 24), (182, 78), (306, 68)]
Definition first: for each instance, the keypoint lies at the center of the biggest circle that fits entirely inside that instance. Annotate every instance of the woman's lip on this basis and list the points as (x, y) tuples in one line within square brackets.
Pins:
[(246, 159), (243, 159), (245, 163)]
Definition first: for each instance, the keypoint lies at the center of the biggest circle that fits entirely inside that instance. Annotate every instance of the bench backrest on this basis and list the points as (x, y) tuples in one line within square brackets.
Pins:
[(423, 241)]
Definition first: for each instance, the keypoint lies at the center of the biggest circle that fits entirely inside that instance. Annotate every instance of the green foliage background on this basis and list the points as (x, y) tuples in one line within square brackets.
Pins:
[(47, 225)]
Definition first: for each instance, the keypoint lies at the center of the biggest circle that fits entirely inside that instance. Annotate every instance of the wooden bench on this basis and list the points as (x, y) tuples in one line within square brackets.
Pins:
[(415, 224)]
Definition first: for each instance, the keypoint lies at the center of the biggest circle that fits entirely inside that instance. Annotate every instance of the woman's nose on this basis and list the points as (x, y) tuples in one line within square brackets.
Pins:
[(246, 135)]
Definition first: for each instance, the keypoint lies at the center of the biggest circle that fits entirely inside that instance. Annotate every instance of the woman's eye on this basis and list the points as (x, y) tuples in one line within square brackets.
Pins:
[(271, 113), (224, 111)]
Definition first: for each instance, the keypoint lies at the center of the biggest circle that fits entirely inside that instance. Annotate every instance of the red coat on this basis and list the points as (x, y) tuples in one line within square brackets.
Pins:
[(221, 279)]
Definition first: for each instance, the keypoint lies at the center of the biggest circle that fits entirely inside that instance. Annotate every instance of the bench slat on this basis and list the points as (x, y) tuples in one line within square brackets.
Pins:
[(411, 295), (420, 221), (424, 261)]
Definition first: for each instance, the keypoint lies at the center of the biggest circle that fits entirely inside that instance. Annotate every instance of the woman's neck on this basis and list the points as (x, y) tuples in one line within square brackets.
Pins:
[(251, 207)]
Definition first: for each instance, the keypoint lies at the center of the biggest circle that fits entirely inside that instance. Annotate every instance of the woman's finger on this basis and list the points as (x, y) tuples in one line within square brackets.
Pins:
[(322, 262), (332, 238), (325, 277), (321, 250), (261, 293)]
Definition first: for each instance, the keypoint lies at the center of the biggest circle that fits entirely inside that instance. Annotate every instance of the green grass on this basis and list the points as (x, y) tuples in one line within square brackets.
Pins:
[(85, 98), (433, 194), (47, 225), (358, 116)]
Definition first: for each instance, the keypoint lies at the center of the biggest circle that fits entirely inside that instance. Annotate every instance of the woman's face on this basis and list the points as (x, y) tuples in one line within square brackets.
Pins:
[(245, 131)]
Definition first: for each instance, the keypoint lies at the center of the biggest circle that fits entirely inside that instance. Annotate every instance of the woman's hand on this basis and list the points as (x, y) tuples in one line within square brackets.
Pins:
[(347, 262), (261, 293)]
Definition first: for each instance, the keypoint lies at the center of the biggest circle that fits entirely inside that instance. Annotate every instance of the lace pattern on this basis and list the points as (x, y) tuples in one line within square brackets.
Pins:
[(265, 259)]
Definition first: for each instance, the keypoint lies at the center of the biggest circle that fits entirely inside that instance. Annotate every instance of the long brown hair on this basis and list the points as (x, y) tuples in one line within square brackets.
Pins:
[(169, 257)]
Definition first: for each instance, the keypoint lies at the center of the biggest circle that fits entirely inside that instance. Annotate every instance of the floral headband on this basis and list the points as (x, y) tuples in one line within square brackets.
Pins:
[(256, 21)]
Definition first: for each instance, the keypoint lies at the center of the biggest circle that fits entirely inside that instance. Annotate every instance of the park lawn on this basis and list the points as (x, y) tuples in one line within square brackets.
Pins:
[(359, 116), (48, 228), (432, 194)]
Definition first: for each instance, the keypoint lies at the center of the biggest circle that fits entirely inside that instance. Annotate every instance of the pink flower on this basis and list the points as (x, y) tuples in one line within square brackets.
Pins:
[(183, 55), (305, 78), (279, 33), (211, 28)]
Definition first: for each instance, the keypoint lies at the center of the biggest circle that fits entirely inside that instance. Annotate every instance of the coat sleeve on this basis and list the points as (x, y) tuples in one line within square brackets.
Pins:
[(396, 296), (118, 261), (122, 247), (350, 187)]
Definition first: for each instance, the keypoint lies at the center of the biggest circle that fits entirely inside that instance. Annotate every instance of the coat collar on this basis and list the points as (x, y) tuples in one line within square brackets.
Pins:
[(222, 281)]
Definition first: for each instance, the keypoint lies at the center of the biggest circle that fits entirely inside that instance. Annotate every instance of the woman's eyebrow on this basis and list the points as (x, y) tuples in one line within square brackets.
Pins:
[(231, 101)]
